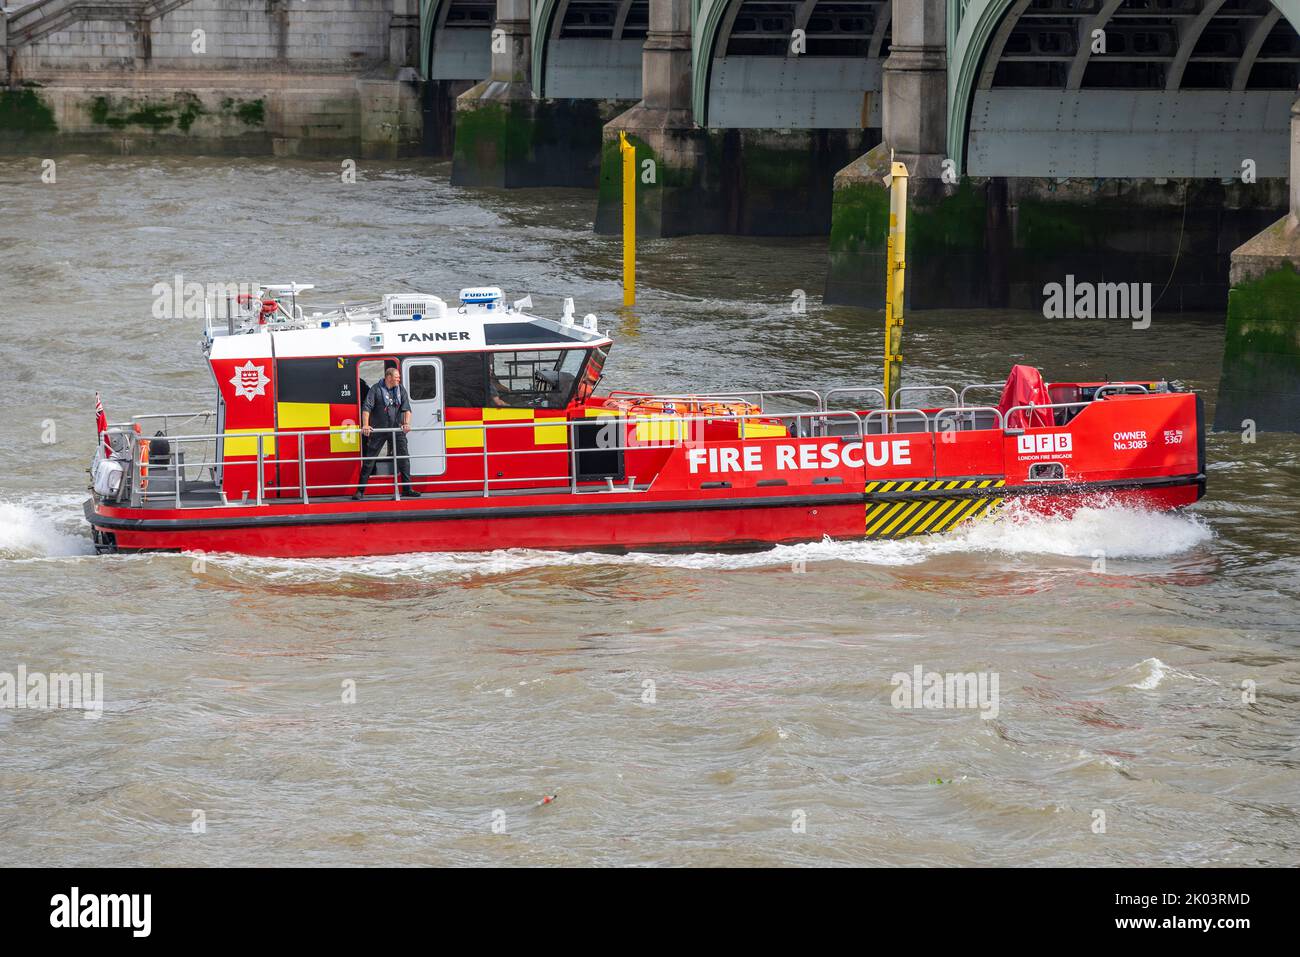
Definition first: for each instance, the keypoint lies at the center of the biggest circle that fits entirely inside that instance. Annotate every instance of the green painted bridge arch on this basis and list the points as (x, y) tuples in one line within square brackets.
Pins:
[(545, 19), (428, 17), (455, 39), (585, 32), (707, 16), (542, 16), (744, 75), (978, 32), (587, 49)]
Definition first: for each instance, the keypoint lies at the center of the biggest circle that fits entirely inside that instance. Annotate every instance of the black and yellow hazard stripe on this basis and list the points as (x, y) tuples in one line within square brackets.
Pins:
[(902, 509)]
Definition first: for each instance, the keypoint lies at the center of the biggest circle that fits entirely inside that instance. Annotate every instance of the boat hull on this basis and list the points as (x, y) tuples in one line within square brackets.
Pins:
[(612, 521), (1145, 452)]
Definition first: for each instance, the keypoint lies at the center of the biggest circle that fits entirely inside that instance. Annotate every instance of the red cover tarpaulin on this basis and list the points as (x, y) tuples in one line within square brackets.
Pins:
[(1025, 386)]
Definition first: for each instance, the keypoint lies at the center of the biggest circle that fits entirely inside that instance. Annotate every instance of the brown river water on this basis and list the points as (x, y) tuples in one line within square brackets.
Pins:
[(682, 709)]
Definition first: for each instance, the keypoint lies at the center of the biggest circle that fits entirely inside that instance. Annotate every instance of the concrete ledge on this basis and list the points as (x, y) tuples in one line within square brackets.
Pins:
[(221, 113)]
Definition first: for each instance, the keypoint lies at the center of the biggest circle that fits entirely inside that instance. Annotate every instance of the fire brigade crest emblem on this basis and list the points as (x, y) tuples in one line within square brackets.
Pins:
[(249, 380)]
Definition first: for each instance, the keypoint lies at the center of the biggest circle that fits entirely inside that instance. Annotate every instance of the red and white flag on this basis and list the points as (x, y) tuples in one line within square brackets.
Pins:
[(101, 425)]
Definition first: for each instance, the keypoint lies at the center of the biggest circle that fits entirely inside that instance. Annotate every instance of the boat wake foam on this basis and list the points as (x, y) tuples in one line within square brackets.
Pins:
[(1118, 532), (43, 527)]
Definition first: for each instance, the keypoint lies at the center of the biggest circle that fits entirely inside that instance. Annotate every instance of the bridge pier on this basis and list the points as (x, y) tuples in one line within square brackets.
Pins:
[(678, 199), (495, 117), (946, 224), (1260, 382), (697, 179), (404, 33), (915, 86), (507, 137)]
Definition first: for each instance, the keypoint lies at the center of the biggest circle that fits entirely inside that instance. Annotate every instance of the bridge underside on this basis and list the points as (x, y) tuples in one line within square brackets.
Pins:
[(756, 79), (593, 50), (1178, 88)]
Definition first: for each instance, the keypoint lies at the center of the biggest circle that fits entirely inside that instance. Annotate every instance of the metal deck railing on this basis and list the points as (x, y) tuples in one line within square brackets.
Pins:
[(824, 401), (175, 471), (167, 481)]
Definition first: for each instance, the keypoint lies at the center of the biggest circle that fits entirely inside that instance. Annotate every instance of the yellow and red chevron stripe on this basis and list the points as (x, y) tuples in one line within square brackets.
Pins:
[(550, 428), (660, 426), (901, 518)]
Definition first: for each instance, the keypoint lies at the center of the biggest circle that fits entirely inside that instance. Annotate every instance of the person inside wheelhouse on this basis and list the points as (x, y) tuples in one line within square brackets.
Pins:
[(541, 379)]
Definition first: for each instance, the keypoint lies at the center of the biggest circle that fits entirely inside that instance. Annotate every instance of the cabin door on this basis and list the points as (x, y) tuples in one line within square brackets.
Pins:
[(423, 380)]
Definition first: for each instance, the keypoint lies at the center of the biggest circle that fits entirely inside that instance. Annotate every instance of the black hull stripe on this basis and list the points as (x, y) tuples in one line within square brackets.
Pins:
[(1046, 488), (466, 514), (578, 509)]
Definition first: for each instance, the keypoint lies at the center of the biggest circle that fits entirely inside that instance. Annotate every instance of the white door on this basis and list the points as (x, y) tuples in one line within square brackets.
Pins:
[(423, 380)]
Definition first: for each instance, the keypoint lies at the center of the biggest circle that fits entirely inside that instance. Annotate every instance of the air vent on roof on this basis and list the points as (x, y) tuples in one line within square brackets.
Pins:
[(399, 308)]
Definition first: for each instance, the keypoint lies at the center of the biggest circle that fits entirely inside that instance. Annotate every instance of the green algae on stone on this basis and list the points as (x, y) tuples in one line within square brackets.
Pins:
[(23, 111), (182, 112)]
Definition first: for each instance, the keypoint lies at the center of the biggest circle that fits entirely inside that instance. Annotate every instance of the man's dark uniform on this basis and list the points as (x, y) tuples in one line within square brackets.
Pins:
[(386, 407)]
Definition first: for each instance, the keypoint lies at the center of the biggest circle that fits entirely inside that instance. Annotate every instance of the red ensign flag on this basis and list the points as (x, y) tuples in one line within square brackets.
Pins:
[(101, 425)]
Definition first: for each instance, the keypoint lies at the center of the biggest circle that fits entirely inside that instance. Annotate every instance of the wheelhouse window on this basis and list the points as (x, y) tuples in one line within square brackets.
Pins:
[(424, 383), (538, 379), (464, 379), (592, 373)]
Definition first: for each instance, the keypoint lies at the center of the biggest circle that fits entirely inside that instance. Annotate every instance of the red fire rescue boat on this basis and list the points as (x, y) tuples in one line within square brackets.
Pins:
[(511, 445)]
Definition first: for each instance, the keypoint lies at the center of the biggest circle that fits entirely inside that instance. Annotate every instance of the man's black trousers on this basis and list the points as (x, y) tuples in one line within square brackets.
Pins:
[(384, 441)]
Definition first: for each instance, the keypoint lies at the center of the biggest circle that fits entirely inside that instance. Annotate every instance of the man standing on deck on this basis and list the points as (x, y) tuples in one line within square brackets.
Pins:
[(387, 406)]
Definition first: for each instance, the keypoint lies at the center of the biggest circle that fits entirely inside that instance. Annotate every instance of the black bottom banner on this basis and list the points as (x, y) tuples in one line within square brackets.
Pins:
[(334, 907)]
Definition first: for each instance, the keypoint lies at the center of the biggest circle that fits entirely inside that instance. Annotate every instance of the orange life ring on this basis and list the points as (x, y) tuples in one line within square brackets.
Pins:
[(144, 464)]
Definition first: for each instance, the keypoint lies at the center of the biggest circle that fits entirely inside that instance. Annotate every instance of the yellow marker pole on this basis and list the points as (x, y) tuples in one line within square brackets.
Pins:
[(628, 152), (895, 268)]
